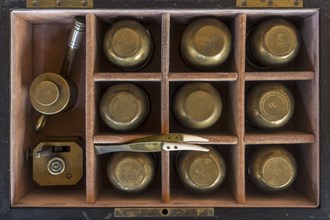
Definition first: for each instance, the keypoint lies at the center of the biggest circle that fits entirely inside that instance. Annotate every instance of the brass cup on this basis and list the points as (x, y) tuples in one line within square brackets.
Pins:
[(197, 105), (269, 105), (51, 93), (124, 107), (128, 45), (206, 43), (131, 172), (273, 43), (201, 171), (272, 168)]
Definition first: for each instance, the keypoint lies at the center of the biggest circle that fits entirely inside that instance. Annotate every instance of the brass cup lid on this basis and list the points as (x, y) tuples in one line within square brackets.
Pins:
[(273, 168), (274, 42), (269, 105), (130, 172), (197, 105), (124, 107), (206, 43), (50, 93), (128, 45), (200, 171)]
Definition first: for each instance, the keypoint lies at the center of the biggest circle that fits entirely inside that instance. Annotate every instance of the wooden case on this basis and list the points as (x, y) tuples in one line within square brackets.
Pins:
[(38, 43)]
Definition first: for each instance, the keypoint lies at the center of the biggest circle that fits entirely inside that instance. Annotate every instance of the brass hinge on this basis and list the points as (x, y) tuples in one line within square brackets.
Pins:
[(269, 3), (163, 212), (59, 3)]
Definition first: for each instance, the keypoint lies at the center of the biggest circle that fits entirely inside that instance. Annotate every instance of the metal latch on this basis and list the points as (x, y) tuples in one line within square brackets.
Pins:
[(163, 212), (269, 3), (59, 3)]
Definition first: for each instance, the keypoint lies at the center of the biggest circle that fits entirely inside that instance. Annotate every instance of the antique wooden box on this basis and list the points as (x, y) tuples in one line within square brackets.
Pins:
[(37, 45)]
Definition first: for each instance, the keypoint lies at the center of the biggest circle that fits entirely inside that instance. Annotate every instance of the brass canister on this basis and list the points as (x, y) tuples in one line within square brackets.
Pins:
[(51, 93), (124, 107), (197, 105), (274, 42), (201, 171), (128, 45), (272, 168), (269, 105), (131, 172), (206, 43)]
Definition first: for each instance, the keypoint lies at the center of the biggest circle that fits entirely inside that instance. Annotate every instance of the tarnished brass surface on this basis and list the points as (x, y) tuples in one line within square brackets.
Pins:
[(197, 105), (163, 212), (50, 93), (128, 45), (201, 171), (206, 43), (269, 105), (274, 42), (270, 3), (272, 168), (124, 106), (130, 172), (58, 162), (59, 3)]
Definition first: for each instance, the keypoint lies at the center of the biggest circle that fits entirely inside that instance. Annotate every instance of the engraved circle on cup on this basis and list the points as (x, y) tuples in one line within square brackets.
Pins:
[(274, 106), (277, 171), (208, 41), (50, 93), (125, 42), (47, 93), (123, 107), (129, 173), (205, 43), (203, 172), (56, 166), (197, 105), (279, 40), (274, 42)]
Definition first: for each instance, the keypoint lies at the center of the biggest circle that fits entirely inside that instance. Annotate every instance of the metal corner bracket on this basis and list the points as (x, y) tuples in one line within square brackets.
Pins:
[(59, 4)]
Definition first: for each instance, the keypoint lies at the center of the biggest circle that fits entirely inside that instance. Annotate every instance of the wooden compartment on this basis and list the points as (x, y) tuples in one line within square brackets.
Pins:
[(38, 41)]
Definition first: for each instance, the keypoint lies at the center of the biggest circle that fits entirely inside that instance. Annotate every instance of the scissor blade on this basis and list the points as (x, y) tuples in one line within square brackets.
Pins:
[(145, 147), (193, 138), (171, 146)]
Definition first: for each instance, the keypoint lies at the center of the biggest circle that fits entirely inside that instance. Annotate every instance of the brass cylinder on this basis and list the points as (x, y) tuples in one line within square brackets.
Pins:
[(201, 171), (274, 42), (206, 43), (130, 172), (272, 168), (128, 45), (197, 105), (124, 107), (269, 105), (51, 93)]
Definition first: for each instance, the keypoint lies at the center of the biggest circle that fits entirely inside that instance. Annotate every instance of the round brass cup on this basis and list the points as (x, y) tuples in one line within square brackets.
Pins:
[(130, 172), (272, 168), (206, 43), (197, 105), (269, 105), (128, 45), (124, 107), (273, 43), (201, 171)]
